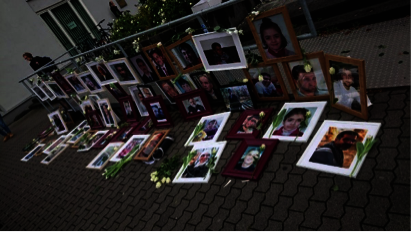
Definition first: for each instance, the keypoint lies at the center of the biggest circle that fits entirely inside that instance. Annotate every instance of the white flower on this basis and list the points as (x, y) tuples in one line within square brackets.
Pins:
[(240, 32), (307, 67), (168, 180), (262, 114), (159, 44), (153, 173), (155, 179), (131, 21), (235, 31), (245, 80), (158, 185), (163, 180), (230, 32), (260, 77), (116, 52), (332, 70)]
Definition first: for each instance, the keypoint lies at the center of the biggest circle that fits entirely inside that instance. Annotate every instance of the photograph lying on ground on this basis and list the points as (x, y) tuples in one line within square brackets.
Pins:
[(132, 145), (103, 157)]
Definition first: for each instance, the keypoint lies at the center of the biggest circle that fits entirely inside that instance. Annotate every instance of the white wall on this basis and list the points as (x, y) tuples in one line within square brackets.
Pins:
[(21, 31)]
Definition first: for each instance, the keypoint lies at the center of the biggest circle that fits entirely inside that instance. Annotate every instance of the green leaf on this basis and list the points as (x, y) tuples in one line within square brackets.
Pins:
[(217, 28), (360, 150), (381, 54)]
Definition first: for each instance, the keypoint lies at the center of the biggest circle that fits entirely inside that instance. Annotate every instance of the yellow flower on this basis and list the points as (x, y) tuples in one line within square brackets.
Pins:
[(262, 114), (308, 114), (115, 148), (307, 67), (163, 180), (245, 80), (260, 77), (168, 180), (262, 146), (332, 71), (159, 44), (158, 185)]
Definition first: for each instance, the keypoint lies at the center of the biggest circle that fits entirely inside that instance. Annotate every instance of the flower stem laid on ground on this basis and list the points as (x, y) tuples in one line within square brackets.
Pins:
[(362, 150), (186, 161), (115, 168)]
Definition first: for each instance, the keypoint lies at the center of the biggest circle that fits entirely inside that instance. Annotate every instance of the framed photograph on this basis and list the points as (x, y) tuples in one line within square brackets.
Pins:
[(267, 82), (146, 90), (130, 146), (94, 120), (124, 133), (185, 54), (75, 83), (348, 85), (211, 129), (197, 170), (143, 67), (39, 92), (106, 139), (100, 161), (76, 137), (90, 82), (220, 51), (311, 85), (32, 153), (116, 90), (297, 123), (250, 158), (58, 122), (87, 106), (95, 138), (80, 126), (274, 35), (158, 111), (108, 115), (138, 100), (100, 72), (161, 63), (129, 109), (168, 90), (62, 82), (56, 142), (55, 88), (47, 91), (121, 69), (81, 142), (237, 97), (249, 124), (54, 153), (151, 145), (144, 127), (333, 149), (206, 82), (193, 104), (184, 83)]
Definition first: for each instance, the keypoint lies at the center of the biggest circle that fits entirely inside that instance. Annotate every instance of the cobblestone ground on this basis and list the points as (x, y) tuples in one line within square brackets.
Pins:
[(66, 196)]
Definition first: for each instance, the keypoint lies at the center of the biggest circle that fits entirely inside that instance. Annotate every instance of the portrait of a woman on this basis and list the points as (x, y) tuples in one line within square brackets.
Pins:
[(274, 42), (291, 123)]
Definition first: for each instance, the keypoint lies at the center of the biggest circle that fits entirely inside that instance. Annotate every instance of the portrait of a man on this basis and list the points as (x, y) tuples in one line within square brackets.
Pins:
[(92, 84), (198, 165), (306, 82), (160, 62), (102, 73), (168, 88), (122, 71), (204, 80), (266, 88), (220, 51), (108, 118), (189, 55), (158, 112), (249, 124), (144, 69), (195, 106), (146, 92)]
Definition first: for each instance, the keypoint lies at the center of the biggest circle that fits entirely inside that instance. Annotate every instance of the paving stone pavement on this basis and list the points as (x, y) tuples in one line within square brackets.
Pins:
[(66, 196)]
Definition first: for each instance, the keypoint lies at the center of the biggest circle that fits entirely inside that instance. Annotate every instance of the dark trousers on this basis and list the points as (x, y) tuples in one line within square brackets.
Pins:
[(4, 129)]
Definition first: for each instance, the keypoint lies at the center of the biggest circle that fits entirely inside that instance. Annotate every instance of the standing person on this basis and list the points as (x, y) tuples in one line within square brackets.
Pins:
[(266, 88), (306, 82), (114, 9), (37, 62), (332, 153), (274, 41), (5, 130)]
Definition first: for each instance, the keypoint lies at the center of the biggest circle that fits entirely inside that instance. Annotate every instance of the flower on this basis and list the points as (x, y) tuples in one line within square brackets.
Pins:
[(214, 150), (262, 114), (235, 31), (245, 80), (308, 114), (255, 12), (108, 108), (159, 44), (168, 180), (163, 180), (230, 32), (154, 173), (158, 185), (332, 71), (135, 42), (240, 32), (116, 52), (307, 67), (118, 127), (262, 146), (131, 21), (260, 77), (115, 148)]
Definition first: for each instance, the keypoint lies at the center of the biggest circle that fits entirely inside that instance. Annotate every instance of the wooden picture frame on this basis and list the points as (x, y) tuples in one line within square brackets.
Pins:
[(168, 89), (279, 20), (160, 118), (297, 75), (128, 146), (234, 99), (75, 83), (100, 72), (340, 62), (261, 92), (241, 128), (154, 52), (188, 111), (129, 109), (94, 120), (56, 89), (249, 149), (123, 71), (90, 82), (181, 58), (101, 160), (143, 67), (62, 82), (151, 145)]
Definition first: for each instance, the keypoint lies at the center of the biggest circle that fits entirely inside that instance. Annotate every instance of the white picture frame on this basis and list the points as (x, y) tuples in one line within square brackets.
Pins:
[(90, 82), (32, 153), (105, 79), (78, 127), (315, 109), (202, 149), (39, 92), (221, 121), (129, 145), (105, 103), (75, 83), (56, 119), (50, 94), (139, 104), (226, 41), (53, 155), (56, 142), (56, 89), (370, 129), (95, 138), (98, 163), (74, 138), (123, 63)]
